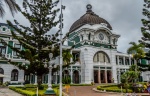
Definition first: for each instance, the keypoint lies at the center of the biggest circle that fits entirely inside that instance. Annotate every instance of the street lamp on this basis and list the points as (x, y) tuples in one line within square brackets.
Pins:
[(61, 58), (49, 91)]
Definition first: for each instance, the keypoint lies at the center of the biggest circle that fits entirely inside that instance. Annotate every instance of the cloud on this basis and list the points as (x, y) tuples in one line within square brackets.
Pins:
[(123, 15)]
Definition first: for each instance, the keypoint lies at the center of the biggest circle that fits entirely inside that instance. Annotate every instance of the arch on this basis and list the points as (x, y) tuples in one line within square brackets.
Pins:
[(14, 75), (75, 76), (1, 78), (81, 37), (101, 56)]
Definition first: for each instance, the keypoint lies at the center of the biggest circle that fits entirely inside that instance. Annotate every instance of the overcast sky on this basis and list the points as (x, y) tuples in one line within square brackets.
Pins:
[(123, 15)]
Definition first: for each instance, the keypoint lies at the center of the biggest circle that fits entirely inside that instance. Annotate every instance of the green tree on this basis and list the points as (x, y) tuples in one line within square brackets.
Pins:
[(11, 4), (66, 56), (136, 50), (41, 16), (130, 76), (145, 29)]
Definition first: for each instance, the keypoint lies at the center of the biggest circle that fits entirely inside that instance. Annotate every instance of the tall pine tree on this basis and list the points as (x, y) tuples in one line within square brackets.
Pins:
[(41, 16), (145, 29)]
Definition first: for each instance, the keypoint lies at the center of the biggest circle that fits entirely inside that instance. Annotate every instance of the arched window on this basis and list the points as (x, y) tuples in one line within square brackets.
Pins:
[(101, 57), (81, 37), (1, 71), (114, 41), (1, 78), (14, 75), (89, 37)]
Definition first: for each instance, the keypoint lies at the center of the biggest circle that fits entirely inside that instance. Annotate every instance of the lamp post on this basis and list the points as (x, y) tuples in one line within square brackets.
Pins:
[(49, 91), (61, 58)]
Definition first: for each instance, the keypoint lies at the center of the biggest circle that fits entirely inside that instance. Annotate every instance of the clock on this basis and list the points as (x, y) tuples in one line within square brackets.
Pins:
[(101, 36)]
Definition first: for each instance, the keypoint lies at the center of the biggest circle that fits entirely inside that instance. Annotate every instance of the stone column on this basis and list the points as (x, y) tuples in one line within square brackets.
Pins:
[(71, 58), (35, 80), (71, 75), (30, 77), (124, 61), (55, 77), (105, 76), (129, 60), (99, 77)]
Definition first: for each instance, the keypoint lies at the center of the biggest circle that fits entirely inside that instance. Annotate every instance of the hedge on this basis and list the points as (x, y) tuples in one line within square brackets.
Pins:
[(23, 92), (113, 88)]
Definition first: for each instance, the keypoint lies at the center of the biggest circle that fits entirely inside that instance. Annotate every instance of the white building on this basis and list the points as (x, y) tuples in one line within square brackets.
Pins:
[(95, 50)]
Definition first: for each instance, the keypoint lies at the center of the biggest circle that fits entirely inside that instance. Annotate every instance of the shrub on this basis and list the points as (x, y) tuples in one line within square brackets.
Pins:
[(112, 88), (26, 82), (66, 80), (41, 87)]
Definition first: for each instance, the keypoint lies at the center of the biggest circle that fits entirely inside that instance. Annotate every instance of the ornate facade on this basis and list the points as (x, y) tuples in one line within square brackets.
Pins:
[(95, 50)]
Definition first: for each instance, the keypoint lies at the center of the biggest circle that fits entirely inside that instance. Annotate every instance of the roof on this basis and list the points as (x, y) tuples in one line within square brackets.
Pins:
[(89, 18)]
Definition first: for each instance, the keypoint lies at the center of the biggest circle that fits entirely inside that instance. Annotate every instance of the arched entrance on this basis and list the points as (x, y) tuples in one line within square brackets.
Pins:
[(14, 75), (76, 76), (1, 78)]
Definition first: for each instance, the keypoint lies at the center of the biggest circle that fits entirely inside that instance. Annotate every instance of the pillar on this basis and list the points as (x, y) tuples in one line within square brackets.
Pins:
[(35, 79), (55, 77), (129, 60), (71, 75), (124, 61), (30, 78), (99, 77), (71, 58), (105, 76)]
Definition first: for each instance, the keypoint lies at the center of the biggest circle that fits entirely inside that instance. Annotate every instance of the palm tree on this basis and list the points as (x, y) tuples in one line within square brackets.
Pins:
[(66, 56), (137, 53), (136, 50), (12, 7)]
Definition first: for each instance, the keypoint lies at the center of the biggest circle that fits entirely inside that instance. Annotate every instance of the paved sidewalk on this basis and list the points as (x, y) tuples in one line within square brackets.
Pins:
[(87, 91), (8, 92)]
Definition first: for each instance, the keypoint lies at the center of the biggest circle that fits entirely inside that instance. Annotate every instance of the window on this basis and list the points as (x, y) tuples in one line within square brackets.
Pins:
[(116, 60), (18, 46), (4, 29), (101, 57), (89, 36), (121, 61), (2, 48), (81, 37), (114, 41), (126, 61), (14, 75)]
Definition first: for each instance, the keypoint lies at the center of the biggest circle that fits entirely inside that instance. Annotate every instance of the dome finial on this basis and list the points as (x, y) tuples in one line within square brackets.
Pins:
[(89, 7)]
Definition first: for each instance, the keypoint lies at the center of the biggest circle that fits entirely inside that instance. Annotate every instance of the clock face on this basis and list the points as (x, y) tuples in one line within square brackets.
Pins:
[(101, 36)]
